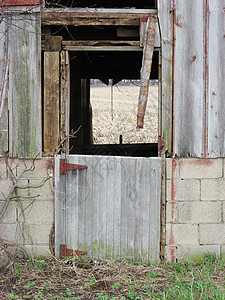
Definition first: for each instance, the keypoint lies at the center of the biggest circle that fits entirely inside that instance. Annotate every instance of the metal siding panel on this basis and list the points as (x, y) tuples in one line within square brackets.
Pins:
[(24, 91), (189, 87), (216, 129), (111, 207)]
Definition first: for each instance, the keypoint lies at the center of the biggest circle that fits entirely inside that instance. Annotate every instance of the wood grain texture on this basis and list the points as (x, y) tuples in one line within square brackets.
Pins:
[(165, 113), (51, 102), (4, 101), (113, 207), (24, 88), (216, 123), (64, 100), (189, 82)]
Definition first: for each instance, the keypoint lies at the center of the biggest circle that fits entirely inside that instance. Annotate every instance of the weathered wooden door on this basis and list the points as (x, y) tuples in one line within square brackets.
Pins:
[(111, 209)]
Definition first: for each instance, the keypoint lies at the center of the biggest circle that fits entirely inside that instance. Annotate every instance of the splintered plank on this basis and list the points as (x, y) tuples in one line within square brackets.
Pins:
[(51, 102)]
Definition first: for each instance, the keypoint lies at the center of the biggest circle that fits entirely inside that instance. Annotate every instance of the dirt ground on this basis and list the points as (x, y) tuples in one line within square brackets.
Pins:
[(115, 113)]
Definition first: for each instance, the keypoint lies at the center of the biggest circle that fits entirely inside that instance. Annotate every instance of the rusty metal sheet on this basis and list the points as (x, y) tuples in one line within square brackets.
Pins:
[(216, 75), (146, 68), (189, 83)]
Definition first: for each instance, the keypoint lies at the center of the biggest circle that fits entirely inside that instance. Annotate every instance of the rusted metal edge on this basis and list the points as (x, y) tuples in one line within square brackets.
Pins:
[(65, 167), (64, 252)]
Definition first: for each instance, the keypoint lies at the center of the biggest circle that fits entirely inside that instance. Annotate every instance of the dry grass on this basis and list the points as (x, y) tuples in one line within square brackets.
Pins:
[(108, 125), (89, 279)]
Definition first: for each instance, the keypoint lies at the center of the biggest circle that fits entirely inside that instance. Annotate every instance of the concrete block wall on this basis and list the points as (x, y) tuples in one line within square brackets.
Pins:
[(195, 207), (28, 220)]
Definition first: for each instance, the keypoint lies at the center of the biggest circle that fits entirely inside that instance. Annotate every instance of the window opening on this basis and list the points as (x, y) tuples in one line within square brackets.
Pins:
[(114, 112)]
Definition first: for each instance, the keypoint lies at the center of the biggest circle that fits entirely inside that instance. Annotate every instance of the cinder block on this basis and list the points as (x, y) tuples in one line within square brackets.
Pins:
[(196, 252), (183, 190), (38, 250), (8, 232), (181, 234), (200, 168), (171, 253), (5, 188), (200, 212), (46, 191), (171, 213), (3, 171), (38, 212), (10, 214), (172, 168), (213, 189), (212, 234), (28, 211), (37, 234)]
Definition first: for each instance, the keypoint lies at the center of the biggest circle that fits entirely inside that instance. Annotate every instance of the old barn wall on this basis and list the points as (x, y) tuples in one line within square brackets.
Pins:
[(20, 126), (28, 220), (199, 66)]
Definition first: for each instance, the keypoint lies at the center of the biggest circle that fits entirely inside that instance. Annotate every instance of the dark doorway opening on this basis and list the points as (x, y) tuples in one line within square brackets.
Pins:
[(110, 67)]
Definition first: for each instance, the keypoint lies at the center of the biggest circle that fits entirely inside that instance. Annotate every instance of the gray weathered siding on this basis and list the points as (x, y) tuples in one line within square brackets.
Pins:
[(22, 131), (111, 209), (199, 78), (164, 15), (216, 122), (24, 87), (3, 88), (189, 82)]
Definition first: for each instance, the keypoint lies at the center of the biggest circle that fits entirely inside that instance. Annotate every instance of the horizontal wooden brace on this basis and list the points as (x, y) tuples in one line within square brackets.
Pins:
[(91, 18), (100, 46)]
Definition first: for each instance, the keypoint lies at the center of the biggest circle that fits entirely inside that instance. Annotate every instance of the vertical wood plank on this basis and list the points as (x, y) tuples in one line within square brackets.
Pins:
[(154, 209), (3, 88), (71, 206), (24, 88), (164, 14), (189, 81), (216, 71), (60, 206), (51, 102), (64, 101)]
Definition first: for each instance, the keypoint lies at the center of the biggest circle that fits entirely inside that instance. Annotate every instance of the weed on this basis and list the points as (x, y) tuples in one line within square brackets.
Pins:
[(30, 284), (13, 296), (90, 282), (116, 285)]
